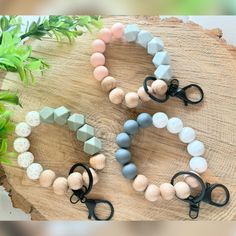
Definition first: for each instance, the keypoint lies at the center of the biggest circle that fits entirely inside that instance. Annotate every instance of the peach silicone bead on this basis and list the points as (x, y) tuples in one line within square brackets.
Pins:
[(117, 30), (143, 95), (98, 45), (116, 96), (97, 59), (105, 35), (100, 73), (132, 99)]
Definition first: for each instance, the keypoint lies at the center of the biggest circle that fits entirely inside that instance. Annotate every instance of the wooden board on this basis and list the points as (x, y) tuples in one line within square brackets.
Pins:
[(198, 56)]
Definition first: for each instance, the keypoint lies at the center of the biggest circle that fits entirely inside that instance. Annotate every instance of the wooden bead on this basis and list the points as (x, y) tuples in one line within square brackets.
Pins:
[(152, 193), (167, 191), (132, 99), (191, 181), (182, 190), (140, 183), (98, 162), (143, 95), (100, 73), (108, 83), (60, 186), (116, 96), (75, 181), (159, 87), (97, 59), (86, 177), (46, 178)]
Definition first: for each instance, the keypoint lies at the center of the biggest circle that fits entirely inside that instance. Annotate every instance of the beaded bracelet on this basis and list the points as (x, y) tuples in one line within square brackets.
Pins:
[(175, 126), (84, 133), (163, 74)]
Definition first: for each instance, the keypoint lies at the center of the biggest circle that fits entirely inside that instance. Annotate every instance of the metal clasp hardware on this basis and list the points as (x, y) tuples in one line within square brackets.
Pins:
[(175, 91)]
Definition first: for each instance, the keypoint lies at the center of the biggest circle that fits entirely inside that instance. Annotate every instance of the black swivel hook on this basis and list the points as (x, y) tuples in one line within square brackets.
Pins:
[(204, 196), (175, 91), (91, 204)]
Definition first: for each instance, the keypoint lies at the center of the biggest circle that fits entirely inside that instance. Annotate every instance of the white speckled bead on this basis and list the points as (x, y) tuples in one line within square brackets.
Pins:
[(198, 164), (160, 120), (23, 129), (187, 135), (25, 159), (196, 148), (34, 171), (21, 145), (182, 190), (175, 125), (33, 118)]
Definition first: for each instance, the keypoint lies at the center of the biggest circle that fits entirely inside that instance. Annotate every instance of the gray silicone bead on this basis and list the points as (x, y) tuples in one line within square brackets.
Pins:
[(47, 115), (131, 127), (143, 38), (155, 45), (144, 120), (61, 114), (131, 31), (123, 140), (130, 171), (161, 58), (123, 156), (163, 72)]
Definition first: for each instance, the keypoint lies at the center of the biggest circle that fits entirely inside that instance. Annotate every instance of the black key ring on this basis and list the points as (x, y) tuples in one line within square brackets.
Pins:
[(174, 91), (205, 195), (80, 196)]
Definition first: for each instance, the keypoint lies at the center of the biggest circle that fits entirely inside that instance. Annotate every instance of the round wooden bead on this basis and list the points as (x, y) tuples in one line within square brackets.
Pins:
[(47, 178), (182, 190), (132, 99), (100, 73), (98, 162), (75, 181), (140, 183), (191, 181), (86, 177), (196, 148), (108, 83), (33, 171), (123, 140), (33, 118), (60, 186), (116, 96), (160, 120), (25, 159), (143, 95), (167, 191), (198, 164), (23, 129), (159, 87), (117, 30), (105, 35), (123, 156), (187, 135), (174, 125), (152, 193), (98, 45), (130, 171), (131, 127), (21, 145), (97, 59), (144, 120)]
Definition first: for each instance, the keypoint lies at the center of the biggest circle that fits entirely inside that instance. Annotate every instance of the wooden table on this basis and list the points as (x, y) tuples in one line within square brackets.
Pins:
[(198, 56)]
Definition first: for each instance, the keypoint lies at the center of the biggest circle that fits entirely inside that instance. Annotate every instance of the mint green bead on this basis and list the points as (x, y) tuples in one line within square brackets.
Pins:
[(92, 146)]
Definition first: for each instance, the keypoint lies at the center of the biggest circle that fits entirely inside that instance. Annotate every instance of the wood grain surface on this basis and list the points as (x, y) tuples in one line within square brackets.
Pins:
[(198, 56)]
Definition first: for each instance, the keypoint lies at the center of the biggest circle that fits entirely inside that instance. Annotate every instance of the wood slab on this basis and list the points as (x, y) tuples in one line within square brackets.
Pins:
[(198, 56)]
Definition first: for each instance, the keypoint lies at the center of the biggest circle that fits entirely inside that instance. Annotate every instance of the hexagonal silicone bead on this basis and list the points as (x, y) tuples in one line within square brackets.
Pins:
[(155, 45), (61, 115), (75, 121), (161, 58), (85, 132), (130, 33), (92, 146), (143, 38), (163, 72), (47, 115)]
